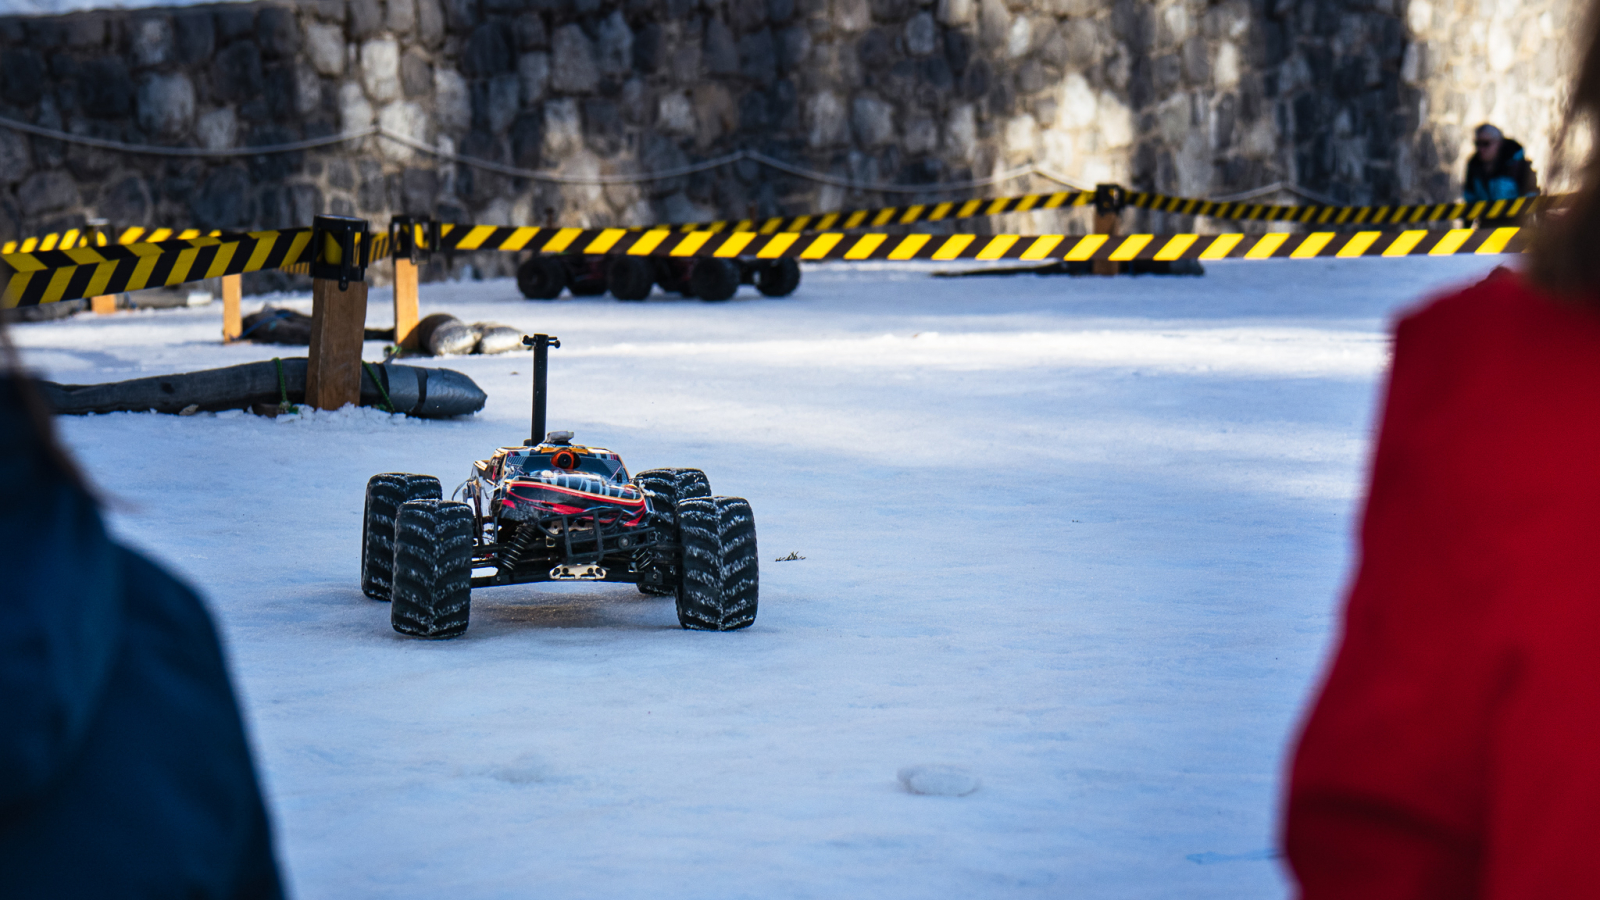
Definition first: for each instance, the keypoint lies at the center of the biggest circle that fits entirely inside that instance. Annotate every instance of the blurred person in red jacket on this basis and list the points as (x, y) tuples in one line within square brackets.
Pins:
[(1455, 748)]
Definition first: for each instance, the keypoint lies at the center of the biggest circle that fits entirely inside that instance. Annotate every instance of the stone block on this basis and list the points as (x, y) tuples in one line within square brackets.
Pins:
[(602, 125), (416, 75), (341, 174), (363, 18), (380, 69), (166, 104), (715, 111), (401, 16), (961, 132), (151, 41), (1021, 138), (325, 48), (851, 15), (233, 22), (104, 88), (573, 69), (496, 103), (223, 199), (563, 129), (956, 12), (757, 57), (527, 140), (746, 15), (307, 91), (648, 50), (218, 129), (1196, 61), (418, 188), (876, 50), (873, 121), (890, 11), (489, 51), (826, 122), (530, 32), (22, 76), (533, 72), (407, 119), (452, 105), (793, 45), (675, 114), (236, 73), (615, 45), (355, 112), (754, 117), (16, 157), (921, 136), (278, 32), (921, 35), (430, 22), (721, 54), (47, 192), (125, 202), (460, 16), (194, 37), (994, 23)]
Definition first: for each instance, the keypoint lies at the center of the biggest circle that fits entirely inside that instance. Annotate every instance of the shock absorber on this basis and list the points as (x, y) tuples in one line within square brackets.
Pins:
[(526, 534)]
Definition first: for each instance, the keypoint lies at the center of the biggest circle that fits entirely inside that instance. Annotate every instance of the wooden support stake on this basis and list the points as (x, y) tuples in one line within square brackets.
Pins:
[(232, 322), (405, 304), (104, 305), (1106, 223), (338, 318)]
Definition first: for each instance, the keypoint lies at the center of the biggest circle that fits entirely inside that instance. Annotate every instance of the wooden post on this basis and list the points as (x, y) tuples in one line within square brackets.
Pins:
[(1106, 223), (232, 322), (103, 305), (338, 318), (405, 303), (340, 252)]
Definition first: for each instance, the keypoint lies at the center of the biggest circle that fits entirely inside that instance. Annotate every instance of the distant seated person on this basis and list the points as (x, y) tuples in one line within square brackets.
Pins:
[(1498, 170)]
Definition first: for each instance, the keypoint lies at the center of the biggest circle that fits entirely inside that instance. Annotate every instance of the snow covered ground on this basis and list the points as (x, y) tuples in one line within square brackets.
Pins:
[(1080, 538)]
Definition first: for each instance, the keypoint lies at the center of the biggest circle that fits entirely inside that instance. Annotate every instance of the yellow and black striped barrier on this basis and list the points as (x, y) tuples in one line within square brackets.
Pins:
[(50, 276), (1341, 215)]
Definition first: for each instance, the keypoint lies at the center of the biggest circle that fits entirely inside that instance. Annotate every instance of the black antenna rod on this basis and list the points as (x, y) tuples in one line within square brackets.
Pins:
[(541, 344)]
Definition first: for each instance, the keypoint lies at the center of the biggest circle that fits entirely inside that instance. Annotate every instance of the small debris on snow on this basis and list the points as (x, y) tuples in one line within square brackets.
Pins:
[(1209, 857), (938, 781), (189, 410), (790, 558)]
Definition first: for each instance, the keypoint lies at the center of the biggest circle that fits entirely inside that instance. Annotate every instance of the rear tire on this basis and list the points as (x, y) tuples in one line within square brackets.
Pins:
[(741, 562), (385, 494), (432, 595), (714, 279), (541, 278), (665, 487), (778, 278), (630, 277)]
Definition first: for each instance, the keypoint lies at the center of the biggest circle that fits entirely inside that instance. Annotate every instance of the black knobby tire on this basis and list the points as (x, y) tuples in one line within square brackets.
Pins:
[(385, 494), (630, 277), (541, 278), (699, 593), (778, 278), (714, 279), (664, 487), (432, 596), (741, 563)]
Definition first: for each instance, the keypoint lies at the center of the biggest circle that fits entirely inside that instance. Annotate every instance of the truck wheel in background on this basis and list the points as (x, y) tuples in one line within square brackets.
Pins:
[(630, 277), (714, 279), (778, 278), (385, 494), (541, 278), (665, 487), (432, 594)]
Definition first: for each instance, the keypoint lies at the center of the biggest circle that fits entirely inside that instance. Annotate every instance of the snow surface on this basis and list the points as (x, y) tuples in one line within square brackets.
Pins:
[(1080, 540), (58, 7)]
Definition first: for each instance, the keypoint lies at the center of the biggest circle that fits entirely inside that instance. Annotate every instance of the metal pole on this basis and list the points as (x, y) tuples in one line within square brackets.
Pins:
[(541, 344)]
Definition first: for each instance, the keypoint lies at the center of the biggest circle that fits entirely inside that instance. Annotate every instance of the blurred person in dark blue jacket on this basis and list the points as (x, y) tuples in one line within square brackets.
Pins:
[(124, 768), (1499, 169)]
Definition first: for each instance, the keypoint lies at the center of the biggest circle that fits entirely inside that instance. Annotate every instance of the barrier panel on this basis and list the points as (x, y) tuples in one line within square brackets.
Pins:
[(51, 276)]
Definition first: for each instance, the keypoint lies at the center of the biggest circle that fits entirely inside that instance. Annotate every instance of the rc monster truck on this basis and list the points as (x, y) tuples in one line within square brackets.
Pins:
[(553, 510)]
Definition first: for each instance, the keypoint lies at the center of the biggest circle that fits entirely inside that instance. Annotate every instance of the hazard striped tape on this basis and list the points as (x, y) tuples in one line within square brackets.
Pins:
[(49, 276), (1341, 215), (87, 272), (88, 237)]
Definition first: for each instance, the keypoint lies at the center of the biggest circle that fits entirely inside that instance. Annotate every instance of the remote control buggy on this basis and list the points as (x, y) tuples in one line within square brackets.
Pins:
[(554, 510)]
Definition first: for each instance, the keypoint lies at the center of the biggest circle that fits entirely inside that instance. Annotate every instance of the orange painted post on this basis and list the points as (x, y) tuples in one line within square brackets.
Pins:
[(103, 305), (341, 248), (232, 321), (405, 303)]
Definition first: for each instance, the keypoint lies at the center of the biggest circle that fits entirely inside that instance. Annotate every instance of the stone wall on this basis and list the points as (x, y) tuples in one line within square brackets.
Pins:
[(1363, 100)]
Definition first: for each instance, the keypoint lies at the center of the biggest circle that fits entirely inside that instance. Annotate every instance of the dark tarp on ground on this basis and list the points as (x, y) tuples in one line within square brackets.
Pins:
[(414, 390), (124, 768)]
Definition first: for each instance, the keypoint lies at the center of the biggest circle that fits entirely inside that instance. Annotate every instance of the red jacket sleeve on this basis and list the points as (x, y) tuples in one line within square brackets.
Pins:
[(1453, 749)]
